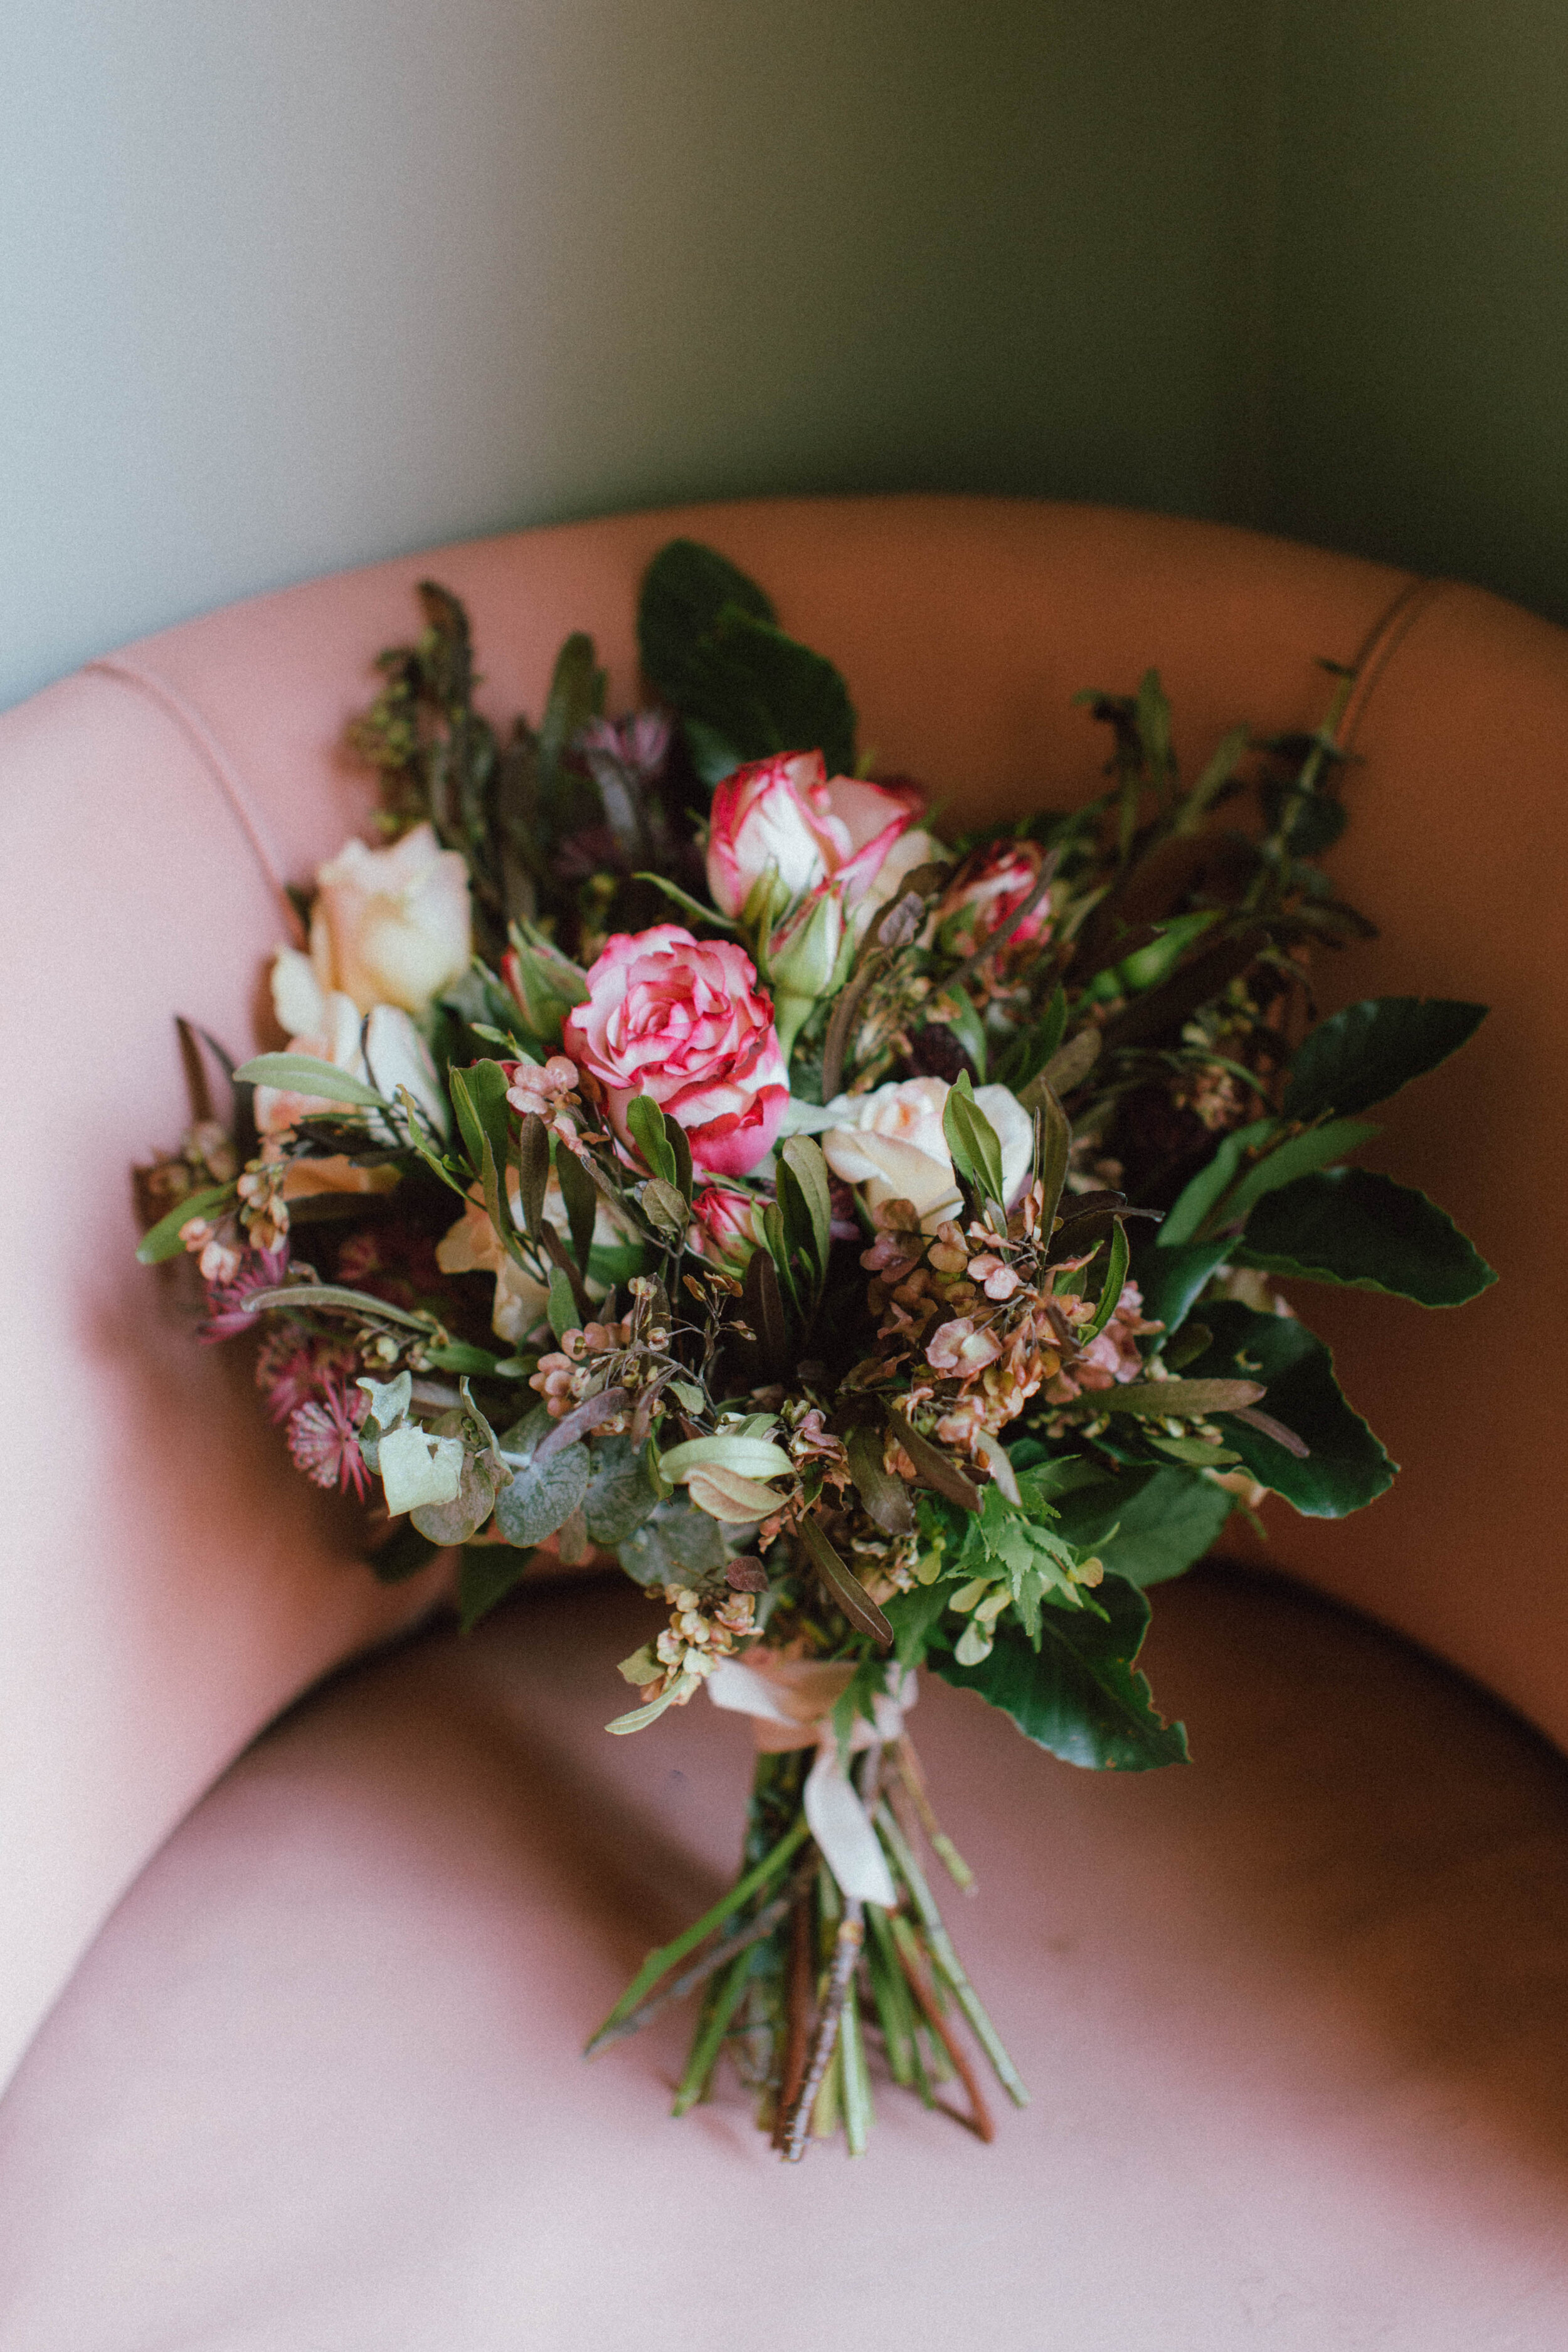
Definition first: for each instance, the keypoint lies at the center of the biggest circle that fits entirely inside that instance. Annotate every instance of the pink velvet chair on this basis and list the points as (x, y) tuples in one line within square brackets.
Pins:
[(1294, 2019)]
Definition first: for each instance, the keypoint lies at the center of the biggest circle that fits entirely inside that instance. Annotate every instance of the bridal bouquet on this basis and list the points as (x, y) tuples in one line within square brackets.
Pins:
[(682, 1156)]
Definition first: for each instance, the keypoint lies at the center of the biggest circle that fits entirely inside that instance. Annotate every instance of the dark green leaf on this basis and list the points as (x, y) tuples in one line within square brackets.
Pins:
[(581, 1197), (1346, 1466), (532, 1170), (1174, 1399), (488, 1573), (1163, 1521), (1192, 1204), (845, 1585), (478, 1097), (1171, 1280), (1296, 1157), (1111, 1292), (1080, 1695), (1349, 1226), (912, 1616), (684, 591), (1366, 1052), (886, 1498), (801, 1158), (542, 1497), (576, 694), (404, 1554), (761, 693)]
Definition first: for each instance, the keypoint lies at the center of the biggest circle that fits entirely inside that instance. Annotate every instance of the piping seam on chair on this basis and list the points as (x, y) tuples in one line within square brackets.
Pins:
[(1382, 642), (222, 770)]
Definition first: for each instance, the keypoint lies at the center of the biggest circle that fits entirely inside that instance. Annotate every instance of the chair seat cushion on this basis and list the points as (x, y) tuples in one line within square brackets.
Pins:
[(1294, 2020)]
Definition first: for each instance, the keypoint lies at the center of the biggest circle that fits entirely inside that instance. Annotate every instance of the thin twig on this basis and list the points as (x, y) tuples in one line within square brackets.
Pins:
[(906, 1764), (846, 1953), (798, 2012), (767, 1919), (979, 2119)]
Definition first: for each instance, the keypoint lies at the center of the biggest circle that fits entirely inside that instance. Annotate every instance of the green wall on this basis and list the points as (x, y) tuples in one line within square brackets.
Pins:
[(1419, 346), (295, 287)]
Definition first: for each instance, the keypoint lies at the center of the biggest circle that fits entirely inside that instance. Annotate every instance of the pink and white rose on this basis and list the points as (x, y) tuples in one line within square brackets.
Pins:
[(683, 1021), (987, 890), (782, 823)]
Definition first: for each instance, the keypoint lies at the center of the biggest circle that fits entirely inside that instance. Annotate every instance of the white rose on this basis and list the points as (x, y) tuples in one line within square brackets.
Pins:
[(473, 1246), (391, 925), (890, 1144)]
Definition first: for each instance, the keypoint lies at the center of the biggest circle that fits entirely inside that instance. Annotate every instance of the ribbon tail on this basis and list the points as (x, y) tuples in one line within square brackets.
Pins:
[(845, 1837)]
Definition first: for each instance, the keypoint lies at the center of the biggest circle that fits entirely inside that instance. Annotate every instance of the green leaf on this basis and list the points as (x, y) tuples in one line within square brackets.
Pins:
[(543, 1497), (455, 1522), (973, 1142), (710, 643), (1298, 1157), (1175, 1399), (576, 694), (748, 1457), (684, 591), (304, 1074), (1192, 1204), (845, 1585), (676, 1544), (1147, 1526), (1171, 1280), (620, 1494), (647, 1122), (1346, 1467), (912, 1616), (1352, 1226), (967, 1027), (532, 1170), (487, 1574), (580, 1196), (563, 1308), (162, 1241), (801, 1161), (1078, 1694), (478, 1097), (1111, 1293), (404, 1553), (459, 1356), (1363, 1055), (886, 1499)]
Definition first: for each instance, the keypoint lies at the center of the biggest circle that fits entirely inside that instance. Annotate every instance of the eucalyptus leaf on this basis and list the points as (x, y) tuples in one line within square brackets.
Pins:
[(542, 1495), (620, 1494), (748, 1457), (676, 1544), (455, 1522)]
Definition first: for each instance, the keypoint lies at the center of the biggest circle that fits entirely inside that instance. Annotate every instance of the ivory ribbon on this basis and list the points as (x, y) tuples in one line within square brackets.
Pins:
[(791, 1703)]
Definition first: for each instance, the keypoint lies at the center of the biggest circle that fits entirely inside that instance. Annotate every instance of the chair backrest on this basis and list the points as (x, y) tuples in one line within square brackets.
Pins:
[(171, 1583)]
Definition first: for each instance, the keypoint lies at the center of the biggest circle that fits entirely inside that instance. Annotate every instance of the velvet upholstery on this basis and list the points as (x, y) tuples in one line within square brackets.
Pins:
[(171, 1583)]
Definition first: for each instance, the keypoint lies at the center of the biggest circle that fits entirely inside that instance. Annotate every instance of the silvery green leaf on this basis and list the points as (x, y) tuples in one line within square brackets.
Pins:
[(418, 1469), (674, 1545), (748, 1457), (620, 1493), (542, 1495), (456, 1521)]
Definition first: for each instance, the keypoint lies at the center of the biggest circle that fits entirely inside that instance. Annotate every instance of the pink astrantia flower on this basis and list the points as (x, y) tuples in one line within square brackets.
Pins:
[(683, 1021), (228, 1314), (784, 820), (323, 1438)]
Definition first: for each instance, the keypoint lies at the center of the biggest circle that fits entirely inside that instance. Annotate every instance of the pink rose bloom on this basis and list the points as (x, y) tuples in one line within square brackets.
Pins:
[(989, 888), (724, 1229), (685, 1023), (782, 820)]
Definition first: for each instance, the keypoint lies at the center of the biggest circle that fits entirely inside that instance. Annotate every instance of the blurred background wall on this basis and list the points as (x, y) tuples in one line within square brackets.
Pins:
[(287, 285)]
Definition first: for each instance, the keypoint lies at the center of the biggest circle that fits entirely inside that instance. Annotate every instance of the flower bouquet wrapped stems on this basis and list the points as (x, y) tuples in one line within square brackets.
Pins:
[(680, 1157)]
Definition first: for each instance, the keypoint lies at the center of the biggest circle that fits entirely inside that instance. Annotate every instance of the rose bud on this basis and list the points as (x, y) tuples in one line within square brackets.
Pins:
[(988, 889), (725, 1229)]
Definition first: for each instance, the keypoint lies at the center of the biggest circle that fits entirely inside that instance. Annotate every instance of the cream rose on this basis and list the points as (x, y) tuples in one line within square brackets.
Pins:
[(473, 1246), (391, 925), (890, 1145)]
